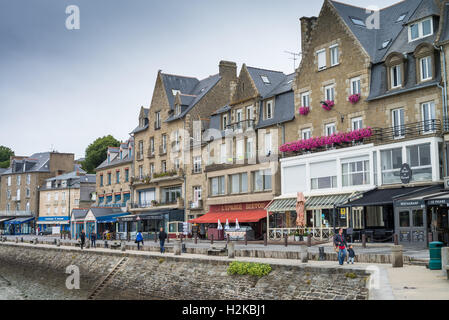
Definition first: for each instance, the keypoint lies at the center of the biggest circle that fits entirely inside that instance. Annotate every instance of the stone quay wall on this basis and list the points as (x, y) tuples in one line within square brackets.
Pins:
[(147, 276)]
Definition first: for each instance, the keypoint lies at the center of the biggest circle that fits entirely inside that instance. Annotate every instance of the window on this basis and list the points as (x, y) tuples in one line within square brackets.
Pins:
[(56, 196), (321, 59), (358, 22), (178, 109), (323, 175), (426, 68), (126, 175), (391, 163), (18, 180), (8, 194), (164, 143), (396, 76), (28, 192), (262, 180), (420, 29), (140, 155), (418, 218), (306, 134), (265, 79), (48, 211), (398, 122), (238, 183), (101, 180), (63, 196), (175, 91), (117, 177), (305, 99), (49, 196), (329, 93), (355, 173), (9, 181), (268, 110), (28, 179), (240, 153), (224, 121), (140, 172), (418, 157), (330, 129), (197, 194), (56, 210), (428, 117), (222, 153), (152, 146), (249, 148), (63, 210), (385, 43), (151, 169), (355, 85), (109, 178), (357, 123), (268, 144), (239, 118), (197, 164), (18, 194), (334, 52), (217, 186), (157, 120), (177, 164), (401, 17), (164, 166)]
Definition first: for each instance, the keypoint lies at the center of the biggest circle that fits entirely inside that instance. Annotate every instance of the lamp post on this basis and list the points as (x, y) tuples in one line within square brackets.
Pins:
[(69, 180)]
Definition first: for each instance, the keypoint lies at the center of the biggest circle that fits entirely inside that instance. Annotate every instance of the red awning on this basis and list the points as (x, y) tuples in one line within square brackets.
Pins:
[(242, 216)]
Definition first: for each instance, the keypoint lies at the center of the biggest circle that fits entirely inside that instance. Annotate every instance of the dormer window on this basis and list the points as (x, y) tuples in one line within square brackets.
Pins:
[(396, 76), (175, 92), (420, 29), (265, 79), (395, 65), (426, 68)]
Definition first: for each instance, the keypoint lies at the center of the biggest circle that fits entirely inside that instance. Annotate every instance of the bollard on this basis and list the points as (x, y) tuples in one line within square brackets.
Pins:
[(58, 242), (304, 254), (35, 241), (227, 239), (322, 256), (397, 260), (65, 235), (309, 240), (155, 237), (55, 241), (181, 237), (87, 244), (21, 239), (231, 250), (211, 239), (123, 246), (246, 239), (364, 240), (177, 248), (265, 240), (106, 243), (196, 238), (445, 262), (396, 239), (17, 240), (286, 240)]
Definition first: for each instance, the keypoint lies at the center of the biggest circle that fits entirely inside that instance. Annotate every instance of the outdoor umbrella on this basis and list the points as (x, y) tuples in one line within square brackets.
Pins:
[(227, 225), (219, 227), (237, 227), (300, 205)]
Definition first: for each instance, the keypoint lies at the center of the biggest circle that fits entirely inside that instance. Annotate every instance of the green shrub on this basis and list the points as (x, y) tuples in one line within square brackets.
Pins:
[(250, 268), (351, 275)]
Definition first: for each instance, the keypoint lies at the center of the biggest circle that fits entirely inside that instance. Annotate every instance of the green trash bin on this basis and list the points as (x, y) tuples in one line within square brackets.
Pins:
[(435, 255)]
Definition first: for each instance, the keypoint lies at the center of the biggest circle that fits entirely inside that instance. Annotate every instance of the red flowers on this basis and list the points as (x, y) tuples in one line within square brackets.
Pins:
[(327, 105), (304, 110), (354, 98), (317, 142)]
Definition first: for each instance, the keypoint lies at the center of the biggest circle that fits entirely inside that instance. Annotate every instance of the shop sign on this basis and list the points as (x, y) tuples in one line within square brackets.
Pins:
[(239, 206), (437, 202), (406, 173), (411, 203), (343, 213)]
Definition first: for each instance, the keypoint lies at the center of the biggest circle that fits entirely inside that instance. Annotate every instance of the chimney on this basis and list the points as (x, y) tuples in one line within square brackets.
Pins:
[(307, 25), (228, 70)]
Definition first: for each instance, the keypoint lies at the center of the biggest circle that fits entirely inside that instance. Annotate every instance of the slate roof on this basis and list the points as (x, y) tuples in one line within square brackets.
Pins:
[(284, 110), (2, 170), (37, 162), (275, 78), (103, 211), (116, 160), (79, 213), (444, 36)]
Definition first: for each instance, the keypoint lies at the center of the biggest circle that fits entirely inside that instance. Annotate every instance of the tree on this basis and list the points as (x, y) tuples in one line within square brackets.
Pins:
[(97, 152), (5, 154)]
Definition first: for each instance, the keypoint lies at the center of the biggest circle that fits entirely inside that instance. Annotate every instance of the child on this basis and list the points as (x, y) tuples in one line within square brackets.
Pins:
[(351, 254)]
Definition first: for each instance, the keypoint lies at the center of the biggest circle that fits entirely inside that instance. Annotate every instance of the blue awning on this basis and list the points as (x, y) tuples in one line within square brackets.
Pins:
[(56, 218), (111, 218), (19, 220)]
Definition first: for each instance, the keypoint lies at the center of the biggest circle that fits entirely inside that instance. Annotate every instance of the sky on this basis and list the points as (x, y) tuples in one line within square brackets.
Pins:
[(61, 89)]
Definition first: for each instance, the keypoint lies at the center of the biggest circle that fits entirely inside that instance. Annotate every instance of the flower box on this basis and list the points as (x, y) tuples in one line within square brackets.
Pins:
[(328, 105), (304, 110), (354, 98)]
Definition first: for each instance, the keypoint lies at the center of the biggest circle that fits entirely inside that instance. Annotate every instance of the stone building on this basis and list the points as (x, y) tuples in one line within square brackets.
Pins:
[(375, 111), (167, 132), (60, 195), (241, 169), (113, 176), (20, 186)]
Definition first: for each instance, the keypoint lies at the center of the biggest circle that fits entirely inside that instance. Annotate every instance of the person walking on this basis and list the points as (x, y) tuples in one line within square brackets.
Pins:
[(340, 246), (93, 239), (139, 239), (351, 254), (82, 239), (162, 237)]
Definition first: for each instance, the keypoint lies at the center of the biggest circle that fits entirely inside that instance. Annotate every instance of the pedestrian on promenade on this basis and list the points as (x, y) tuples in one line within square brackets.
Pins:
[(93, 239), (139, 239), (82, 239), (351, 254), (162, 237), (340, 246)]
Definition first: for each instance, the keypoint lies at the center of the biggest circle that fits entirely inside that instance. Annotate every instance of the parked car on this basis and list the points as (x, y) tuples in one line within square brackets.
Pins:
[(239, 234), (45, 233)]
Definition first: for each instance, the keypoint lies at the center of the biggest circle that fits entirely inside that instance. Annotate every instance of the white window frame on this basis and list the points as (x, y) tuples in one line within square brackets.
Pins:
[(197, 164), (9, 181), (428, 115), (420, 29), (269, 110), (356, 81), (164, 143), (398, 122), (224, 120), (398, 69), (365, 172), (356, 123), (305, 99), (158, 119), (223, 153), (328, 126), (268, 144), (334, 60), (321, 53), (28, 179), (329, 92), (306, 133), (428, 61), (18, 180)]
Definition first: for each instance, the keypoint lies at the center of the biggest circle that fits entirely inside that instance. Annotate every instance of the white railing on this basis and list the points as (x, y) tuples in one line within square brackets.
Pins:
[(23, 213), (316, 232)]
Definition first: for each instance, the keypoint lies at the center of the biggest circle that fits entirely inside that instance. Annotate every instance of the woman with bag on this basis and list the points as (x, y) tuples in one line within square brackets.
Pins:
[(340, 246)]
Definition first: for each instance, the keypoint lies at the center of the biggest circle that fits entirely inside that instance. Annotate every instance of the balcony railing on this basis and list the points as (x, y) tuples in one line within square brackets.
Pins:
[(155, 204), (16, 213), (196, 205), (110, 205), (151, 153), (162, 150), (241, 125)]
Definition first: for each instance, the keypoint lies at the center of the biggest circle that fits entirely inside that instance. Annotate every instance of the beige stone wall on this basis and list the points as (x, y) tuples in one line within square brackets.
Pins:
[(59, 202), (122, 186)]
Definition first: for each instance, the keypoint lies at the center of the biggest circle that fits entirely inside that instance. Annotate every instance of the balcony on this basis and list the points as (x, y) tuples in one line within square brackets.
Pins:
[(178, 203), (243, 125), (140, 180), (157, 125), (139, 155), (232, 162), (168, 175), (162, 150), (377, 136), (197, 170), (16, 213), (196, 205), (151, 153)]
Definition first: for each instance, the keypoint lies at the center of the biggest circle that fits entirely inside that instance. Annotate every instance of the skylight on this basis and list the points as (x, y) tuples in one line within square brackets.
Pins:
[(265, 79), (175, 92), (358, 21), (385, 44), (401, 17)]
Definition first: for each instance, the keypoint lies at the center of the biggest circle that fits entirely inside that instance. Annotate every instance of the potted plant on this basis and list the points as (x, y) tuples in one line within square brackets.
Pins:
[(297, 235), (153, 203), (327, 105), (354, 98), (304, 110)]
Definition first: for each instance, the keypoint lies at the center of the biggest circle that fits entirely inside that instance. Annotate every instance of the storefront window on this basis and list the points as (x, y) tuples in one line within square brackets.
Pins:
[(418, 158), (418, 218), (391, 163), (374, 217), (404, 219)]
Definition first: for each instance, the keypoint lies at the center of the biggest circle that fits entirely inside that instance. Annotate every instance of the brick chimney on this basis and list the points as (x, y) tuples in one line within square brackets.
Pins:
[(307, 25), (228, 70)]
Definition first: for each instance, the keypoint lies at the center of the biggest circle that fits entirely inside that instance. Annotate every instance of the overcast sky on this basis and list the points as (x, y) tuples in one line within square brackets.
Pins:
[(61, 89)]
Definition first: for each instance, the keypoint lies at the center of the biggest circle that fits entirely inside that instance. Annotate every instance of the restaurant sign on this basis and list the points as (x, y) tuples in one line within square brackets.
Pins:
[(410, 203), (239, 206), (406, 174)]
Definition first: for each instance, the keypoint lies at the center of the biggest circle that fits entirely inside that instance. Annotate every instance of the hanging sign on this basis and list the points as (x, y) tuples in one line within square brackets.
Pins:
[(406, 173)]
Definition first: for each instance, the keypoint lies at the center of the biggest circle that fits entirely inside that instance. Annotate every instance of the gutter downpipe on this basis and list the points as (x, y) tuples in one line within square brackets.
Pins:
[(444, 96)]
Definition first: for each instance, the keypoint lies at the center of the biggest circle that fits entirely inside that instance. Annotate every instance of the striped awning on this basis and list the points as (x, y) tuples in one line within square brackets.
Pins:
[(314, 202)]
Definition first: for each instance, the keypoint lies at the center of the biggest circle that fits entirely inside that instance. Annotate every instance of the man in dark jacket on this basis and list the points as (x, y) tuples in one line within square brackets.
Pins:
[(82, 239), (340, 245), (162, 237), (93, 238)]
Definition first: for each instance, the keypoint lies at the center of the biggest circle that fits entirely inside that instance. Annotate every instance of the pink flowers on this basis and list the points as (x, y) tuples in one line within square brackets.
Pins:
[(317, 142), (304, 110), (327, 105), (354, 98)]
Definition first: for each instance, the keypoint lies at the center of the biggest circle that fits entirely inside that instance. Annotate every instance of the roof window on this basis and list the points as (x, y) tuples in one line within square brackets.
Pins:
[(401, 17), (265, 79), (358, 21)]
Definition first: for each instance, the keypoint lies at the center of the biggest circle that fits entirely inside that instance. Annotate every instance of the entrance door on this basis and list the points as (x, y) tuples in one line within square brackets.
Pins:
[(411, 225)]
